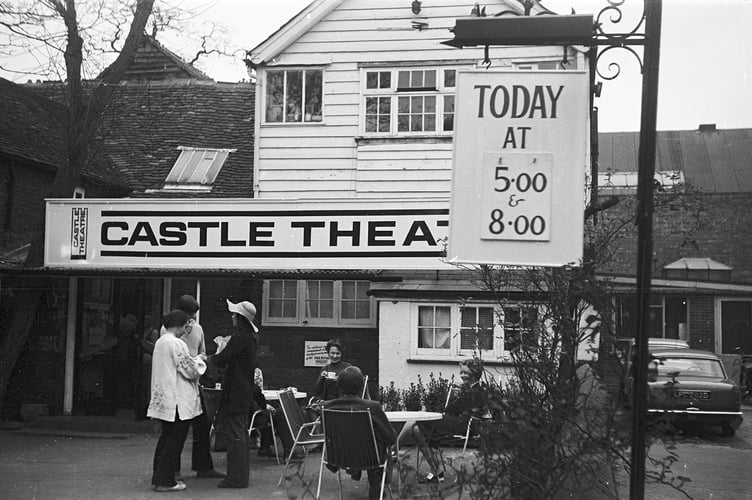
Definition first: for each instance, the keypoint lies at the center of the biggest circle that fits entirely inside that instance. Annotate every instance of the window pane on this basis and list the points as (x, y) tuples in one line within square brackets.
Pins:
[(403, 123), (283, 298), (430, 123), (416, 79), (430, 79), (348, 290), (449, 77), (313, 95), (372, 105), (274, 96), (385, 80), (403, 79), (430, 104), (348, 310), (385, 104), (294, 96), (416, 105), (320, 300), (448, 122), (384, 123), (403, 105), (363, 309), (372, 80), (416, 123)]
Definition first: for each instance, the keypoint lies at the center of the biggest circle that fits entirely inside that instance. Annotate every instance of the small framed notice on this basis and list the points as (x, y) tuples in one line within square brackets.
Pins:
[(315, 353)]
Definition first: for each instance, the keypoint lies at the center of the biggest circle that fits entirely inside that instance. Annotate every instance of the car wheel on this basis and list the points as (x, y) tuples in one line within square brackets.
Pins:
[(727, 430)]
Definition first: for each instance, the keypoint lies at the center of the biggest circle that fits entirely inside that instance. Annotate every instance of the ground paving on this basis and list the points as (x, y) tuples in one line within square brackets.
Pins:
[(44, 465)]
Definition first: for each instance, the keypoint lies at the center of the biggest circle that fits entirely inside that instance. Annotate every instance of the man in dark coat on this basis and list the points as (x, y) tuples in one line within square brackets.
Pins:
[(350, 383), (239, 356)]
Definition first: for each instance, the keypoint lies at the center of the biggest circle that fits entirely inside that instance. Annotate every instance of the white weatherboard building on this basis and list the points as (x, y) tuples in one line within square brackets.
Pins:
[(356, 101)]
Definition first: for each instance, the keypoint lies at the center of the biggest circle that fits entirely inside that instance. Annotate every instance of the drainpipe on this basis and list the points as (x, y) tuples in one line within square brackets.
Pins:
[(70, 345)]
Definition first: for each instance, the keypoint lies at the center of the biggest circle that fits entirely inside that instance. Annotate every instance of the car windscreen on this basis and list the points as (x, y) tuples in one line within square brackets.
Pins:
[(687, 367)]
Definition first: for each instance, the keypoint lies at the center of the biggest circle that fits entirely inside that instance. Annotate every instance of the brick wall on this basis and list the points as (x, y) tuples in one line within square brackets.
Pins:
[(702, 322), (718, 226)]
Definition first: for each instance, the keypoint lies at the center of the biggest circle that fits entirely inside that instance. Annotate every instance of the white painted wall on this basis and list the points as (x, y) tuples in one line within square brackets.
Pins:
[(394, 351), (324, 160)]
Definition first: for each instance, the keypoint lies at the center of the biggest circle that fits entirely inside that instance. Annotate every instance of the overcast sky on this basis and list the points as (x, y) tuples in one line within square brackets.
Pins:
[(705, 70)]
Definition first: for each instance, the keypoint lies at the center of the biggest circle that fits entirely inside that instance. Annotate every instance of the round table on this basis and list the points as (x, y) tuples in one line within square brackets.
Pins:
[(409, 416), (271, 395)]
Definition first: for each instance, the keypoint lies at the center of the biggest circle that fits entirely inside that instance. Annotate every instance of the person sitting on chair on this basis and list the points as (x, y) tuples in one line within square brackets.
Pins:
[(350, 385), (472, 401)]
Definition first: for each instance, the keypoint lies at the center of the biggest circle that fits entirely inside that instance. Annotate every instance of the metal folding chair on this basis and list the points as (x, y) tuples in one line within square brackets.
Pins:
[(252, 428), (350, 443), (301, 431)]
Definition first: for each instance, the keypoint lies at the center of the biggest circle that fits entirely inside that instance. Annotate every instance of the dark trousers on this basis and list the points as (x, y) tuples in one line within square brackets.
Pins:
[(236, 430), (201, 459), (280, 426), (169, 448)]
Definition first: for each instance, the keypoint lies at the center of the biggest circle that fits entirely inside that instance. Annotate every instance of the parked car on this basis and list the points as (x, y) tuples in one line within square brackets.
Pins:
[(627, 352), (690, 386)]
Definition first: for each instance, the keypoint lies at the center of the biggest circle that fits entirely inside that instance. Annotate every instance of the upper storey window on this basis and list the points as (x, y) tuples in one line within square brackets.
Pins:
[(294, 96), (408, 101)]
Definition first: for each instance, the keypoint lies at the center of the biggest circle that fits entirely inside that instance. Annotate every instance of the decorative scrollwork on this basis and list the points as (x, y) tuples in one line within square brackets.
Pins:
[(612, 16), (613, 67)]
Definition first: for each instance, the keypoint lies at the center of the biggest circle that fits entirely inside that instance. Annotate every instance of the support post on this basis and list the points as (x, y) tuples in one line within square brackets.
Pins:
[(646, 172)]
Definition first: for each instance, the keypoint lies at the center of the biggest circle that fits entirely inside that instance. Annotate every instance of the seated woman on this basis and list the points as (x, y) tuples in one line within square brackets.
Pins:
[(326, 384), (471, 402)]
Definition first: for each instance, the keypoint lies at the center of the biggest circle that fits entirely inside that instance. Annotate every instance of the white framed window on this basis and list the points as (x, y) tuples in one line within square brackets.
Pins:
[(294, 96), (318, 303), (457, 331), (408, 101), (196, 168)]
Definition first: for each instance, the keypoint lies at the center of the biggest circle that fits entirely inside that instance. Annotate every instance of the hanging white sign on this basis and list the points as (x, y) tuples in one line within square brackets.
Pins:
[(518, 178)]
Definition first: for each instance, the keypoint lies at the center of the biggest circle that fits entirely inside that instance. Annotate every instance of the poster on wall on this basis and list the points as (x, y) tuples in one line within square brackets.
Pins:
[(315, 353)]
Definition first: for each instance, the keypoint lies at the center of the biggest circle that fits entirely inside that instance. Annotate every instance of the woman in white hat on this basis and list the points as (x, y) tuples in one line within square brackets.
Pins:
[(239, 356)]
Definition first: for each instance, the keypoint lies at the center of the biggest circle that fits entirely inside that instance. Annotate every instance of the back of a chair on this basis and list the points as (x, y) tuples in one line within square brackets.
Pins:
[(449, 392), (291, 410), (350, 439)]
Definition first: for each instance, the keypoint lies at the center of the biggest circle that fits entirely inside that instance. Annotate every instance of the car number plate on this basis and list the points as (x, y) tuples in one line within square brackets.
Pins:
[(692, 394)]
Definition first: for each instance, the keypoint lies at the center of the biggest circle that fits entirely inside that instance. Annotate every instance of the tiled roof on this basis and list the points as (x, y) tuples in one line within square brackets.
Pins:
[(718, 161), (146, 122), (153, 61), (31, 127)]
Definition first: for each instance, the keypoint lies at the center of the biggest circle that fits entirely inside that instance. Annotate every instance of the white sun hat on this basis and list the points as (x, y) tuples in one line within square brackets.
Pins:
[(245, 309)]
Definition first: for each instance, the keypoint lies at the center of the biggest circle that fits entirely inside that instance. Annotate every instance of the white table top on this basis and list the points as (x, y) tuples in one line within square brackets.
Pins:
[(408, 416), (271, 395)]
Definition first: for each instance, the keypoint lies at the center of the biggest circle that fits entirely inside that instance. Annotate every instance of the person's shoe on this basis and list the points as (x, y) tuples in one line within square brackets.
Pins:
[(266, 451), (179, 486), (355, 474), (225, 484), (211, 473), (432, 478)]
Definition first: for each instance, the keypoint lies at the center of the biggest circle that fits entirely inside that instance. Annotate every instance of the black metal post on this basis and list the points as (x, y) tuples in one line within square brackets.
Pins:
[(646, 172)]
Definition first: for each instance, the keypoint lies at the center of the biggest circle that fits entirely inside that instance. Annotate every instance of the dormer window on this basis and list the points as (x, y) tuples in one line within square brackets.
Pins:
[(196, 168)]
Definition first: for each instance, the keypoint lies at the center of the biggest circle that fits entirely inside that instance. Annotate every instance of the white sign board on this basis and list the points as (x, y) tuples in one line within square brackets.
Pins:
[(315, 353), (518, 176), (245, 234)]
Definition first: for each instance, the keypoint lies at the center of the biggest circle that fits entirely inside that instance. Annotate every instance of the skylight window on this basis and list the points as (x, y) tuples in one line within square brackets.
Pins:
[(196, 168)]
